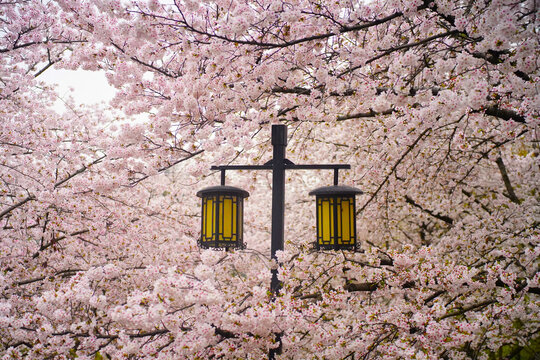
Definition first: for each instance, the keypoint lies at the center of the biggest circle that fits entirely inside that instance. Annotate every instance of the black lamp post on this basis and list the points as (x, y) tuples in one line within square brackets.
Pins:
[(222, 208)]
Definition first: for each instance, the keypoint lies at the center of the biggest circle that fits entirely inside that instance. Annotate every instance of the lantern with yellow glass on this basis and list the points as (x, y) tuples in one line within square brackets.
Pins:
[(222, 217), (336, 217)]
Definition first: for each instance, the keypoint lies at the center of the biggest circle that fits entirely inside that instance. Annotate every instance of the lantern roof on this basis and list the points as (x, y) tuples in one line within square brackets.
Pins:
[(222, 190), (336, 190)]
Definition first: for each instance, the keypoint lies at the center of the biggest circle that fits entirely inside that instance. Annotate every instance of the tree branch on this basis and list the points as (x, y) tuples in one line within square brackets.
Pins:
[(106, 336), (14, 206), (394, 168), (81, 170), (504, 114), (433, 296), (400, 47), (369, 114), (468, 308), (307, 91), (63, 273), (31, 43), (135, 182), (444, 218), (56, 240), (511, 194), (270, 45), (224, 333), (354, 286), (137, 60), (493, 57), (469, 194)]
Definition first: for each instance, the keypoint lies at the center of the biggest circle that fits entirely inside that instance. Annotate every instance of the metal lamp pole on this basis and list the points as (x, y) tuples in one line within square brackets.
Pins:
[(278, 165), (279, 143)]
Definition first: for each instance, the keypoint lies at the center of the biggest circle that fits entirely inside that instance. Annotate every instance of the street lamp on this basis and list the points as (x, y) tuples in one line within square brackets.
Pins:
[(222, 217), (222, 209), (336, 220)]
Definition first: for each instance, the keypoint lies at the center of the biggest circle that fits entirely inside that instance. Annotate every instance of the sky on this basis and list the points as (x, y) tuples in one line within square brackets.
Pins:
[(86, 87)]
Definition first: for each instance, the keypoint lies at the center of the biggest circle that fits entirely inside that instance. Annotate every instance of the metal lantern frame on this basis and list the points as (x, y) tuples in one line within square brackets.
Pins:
[(336, 217), (222, 217)]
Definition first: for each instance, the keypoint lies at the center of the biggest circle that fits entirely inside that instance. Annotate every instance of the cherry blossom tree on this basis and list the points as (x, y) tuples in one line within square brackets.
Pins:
[(433, 103)]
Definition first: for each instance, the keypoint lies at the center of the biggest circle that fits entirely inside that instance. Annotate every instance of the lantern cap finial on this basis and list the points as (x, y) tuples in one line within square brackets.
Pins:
[(222, 190), (336, 190)]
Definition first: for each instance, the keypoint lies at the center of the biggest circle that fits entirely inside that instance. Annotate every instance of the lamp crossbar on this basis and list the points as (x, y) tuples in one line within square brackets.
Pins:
[(287, 166)]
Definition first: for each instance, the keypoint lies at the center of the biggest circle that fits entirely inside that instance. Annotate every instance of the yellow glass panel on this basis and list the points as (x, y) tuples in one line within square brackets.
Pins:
[(227, 218), (345, 220), (208, 218), (327, 220)]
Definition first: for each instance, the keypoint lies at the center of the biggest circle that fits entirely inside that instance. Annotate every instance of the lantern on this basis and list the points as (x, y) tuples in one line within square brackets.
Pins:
[(336, 217), (222, 217)]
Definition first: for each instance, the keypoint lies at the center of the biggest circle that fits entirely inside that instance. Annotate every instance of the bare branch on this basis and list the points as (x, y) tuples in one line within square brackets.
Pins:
[(401, 47), (135, 182), (81, 170), (504, 114), (444, 218), (14, 206), (141, 334), (63, 273), (394, 168), (151, 66), (468, 308), (354, 286), (511, 194), (269, 45), (369, 114), (31, 43), (56, 240)]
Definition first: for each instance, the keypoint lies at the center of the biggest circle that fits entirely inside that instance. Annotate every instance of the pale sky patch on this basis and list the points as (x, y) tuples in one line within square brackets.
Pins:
[(86, 87)]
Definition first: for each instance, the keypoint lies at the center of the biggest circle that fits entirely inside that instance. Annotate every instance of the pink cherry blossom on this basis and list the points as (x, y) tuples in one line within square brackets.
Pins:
[(434, 105)]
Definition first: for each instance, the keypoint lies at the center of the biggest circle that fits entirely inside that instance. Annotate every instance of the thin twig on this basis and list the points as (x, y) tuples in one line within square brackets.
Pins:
[(394, 169), (14, 206), (56, 240), (81, 170)]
